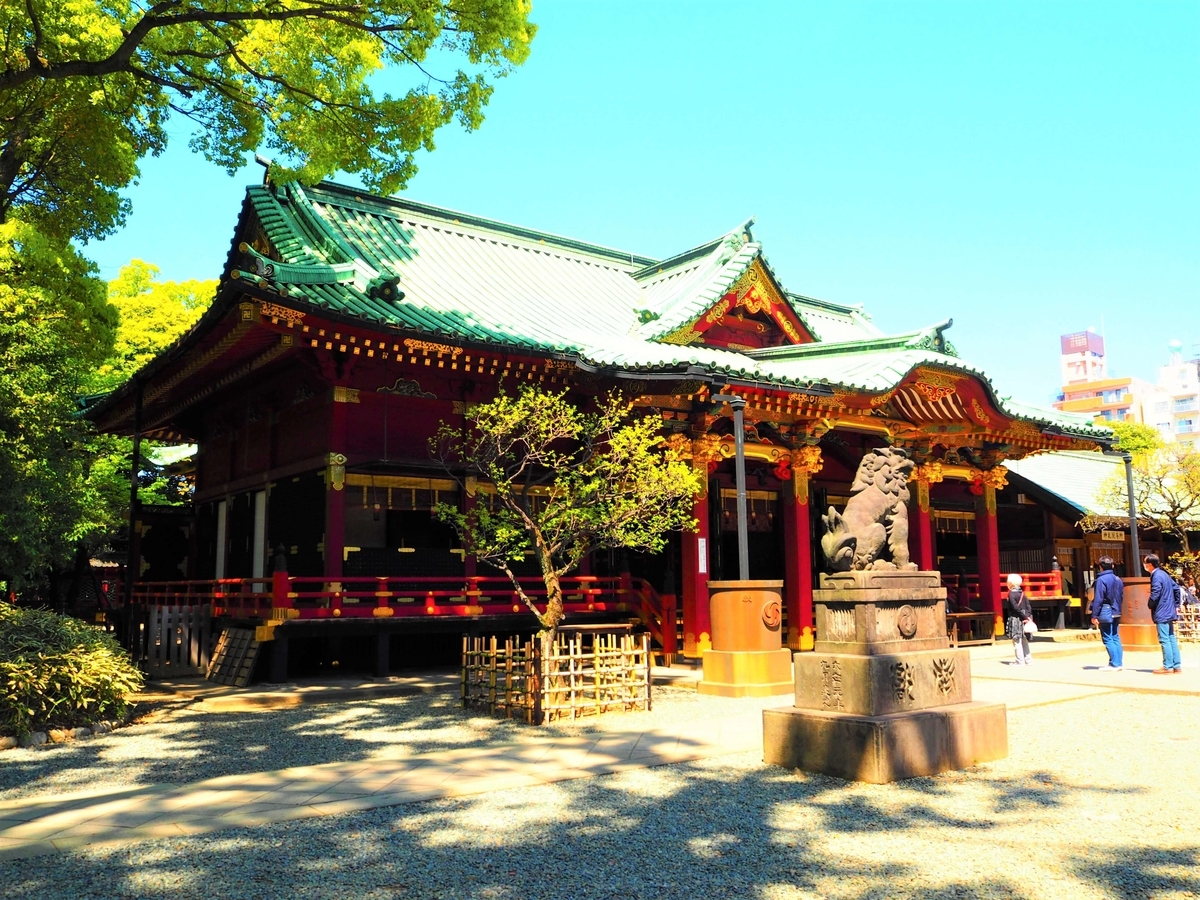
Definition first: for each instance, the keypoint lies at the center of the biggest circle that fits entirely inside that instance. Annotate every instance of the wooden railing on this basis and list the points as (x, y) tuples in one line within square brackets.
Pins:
[(1036, 585), (286, 596)]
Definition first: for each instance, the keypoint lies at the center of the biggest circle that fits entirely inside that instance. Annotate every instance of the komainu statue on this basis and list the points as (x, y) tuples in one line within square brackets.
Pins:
[(874, 525)]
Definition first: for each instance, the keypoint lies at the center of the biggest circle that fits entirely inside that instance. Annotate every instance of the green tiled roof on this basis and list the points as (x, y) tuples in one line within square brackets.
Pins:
[(1074, 476), (483, 281)]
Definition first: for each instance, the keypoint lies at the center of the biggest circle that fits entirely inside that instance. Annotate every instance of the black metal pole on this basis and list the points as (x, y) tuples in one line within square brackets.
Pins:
[(1136, 568)]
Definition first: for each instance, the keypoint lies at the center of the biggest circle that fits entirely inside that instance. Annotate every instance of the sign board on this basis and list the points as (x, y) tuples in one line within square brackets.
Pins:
[(702, 555), (1107, 535)]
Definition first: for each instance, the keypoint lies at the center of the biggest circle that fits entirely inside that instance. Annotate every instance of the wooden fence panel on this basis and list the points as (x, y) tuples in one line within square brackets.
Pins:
[(171, 641), (585, 674)]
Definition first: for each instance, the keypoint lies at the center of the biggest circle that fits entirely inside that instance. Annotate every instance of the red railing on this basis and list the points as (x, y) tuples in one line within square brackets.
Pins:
[(1036, 585), (285, 596), (316, 597)]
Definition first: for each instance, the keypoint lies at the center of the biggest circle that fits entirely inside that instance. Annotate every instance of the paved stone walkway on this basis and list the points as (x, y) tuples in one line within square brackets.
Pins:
[(49, 824), (54, 823)]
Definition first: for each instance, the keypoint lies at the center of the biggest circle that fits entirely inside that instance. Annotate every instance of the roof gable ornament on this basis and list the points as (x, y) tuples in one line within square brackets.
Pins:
[(752, 314)]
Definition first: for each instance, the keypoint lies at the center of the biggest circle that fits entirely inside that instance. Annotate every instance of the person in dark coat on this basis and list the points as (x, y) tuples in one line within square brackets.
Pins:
[(1164, 612), (1017, 612), (1108, 593)]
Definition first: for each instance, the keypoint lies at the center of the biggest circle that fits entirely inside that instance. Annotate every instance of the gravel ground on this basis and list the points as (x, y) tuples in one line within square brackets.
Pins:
[(1082, 809), (186, 744)]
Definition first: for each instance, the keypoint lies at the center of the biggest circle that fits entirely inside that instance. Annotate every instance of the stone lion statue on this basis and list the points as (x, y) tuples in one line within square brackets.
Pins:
[(874, 524)]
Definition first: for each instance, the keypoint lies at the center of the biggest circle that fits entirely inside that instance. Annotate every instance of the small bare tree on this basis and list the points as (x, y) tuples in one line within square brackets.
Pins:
[(565, 483), (1166, 488)]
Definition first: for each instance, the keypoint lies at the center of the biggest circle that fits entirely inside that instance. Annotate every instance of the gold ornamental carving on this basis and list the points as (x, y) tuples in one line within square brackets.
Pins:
[(430, 347), (337, 471), (930, 473), (936, 385), (706, 450), (682, 336), (680, 446), (806, 461), (934, 392), (345, 394), (983, 417), (275, 311)]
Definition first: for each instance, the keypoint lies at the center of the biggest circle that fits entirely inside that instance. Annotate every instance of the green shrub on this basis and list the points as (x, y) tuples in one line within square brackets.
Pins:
[(57, 671)]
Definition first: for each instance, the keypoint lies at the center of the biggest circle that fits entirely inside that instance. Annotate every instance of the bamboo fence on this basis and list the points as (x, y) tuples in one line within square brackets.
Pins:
[(586, 674)]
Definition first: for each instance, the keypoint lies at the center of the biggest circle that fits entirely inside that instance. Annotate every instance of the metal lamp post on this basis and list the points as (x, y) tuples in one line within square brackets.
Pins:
[(1136, 567)]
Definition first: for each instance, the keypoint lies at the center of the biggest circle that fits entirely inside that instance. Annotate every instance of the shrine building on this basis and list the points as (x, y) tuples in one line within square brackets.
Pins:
[(347, 326)]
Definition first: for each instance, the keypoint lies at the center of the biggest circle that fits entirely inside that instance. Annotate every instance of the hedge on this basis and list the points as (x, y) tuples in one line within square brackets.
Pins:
[(59, 672)]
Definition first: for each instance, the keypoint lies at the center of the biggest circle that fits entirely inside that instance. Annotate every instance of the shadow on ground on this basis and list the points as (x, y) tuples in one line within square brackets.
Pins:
[(711, 829)]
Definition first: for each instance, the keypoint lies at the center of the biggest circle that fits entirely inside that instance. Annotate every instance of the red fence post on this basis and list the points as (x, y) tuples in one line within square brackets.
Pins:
[(281, 584)]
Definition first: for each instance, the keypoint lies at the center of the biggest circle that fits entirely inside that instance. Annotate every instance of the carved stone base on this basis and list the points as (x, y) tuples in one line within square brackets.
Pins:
[(882, 749), (881, 685), (747, 673)]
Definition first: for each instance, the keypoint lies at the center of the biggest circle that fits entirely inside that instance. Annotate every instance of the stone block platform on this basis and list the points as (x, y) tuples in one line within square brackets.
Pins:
[(883, 697)]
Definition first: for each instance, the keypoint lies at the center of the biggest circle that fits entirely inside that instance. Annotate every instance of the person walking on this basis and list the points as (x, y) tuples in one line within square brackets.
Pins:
[(1018, 612), (1107, 597), (1163, 612)]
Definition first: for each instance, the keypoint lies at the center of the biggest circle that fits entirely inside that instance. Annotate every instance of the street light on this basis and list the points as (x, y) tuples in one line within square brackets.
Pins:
[(1127, 457), (739, 458), (1136, 568)]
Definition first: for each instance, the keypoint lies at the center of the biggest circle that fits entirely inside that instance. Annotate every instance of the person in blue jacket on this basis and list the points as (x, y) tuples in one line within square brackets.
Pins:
[(1164, 613), (1108, 593)]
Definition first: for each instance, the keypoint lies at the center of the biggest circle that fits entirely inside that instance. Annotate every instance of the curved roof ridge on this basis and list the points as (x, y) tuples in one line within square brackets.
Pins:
[(454, 218)]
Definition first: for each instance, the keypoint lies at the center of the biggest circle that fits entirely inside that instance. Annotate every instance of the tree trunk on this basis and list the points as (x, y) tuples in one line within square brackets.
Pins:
[(554, 605)]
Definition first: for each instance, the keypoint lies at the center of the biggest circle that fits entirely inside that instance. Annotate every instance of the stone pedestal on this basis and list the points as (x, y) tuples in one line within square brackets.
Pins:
[(883, 697), (747, 658)]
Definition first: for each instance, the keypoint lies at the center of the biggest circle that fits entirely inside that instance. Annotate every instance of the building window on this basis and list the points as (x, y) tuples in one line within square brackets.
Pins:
[(1160, 406), (1185, 426), (1186, 404)]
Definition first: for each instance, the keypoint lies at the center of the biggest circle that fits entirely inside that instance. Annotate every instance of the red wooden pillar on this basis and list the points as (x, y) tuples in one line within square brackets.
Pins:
[(987, 541), (920, 527), (335, 483), (697, 627), (797, 542)]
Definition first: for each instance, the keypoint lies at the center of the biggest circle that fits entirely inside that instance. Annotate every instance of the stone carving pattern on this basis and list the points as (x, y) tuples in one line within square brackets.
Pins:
[(841, 623), (903, 679), (831, 684), (906, 621), (943, 673), (885, 624), (872, 531)]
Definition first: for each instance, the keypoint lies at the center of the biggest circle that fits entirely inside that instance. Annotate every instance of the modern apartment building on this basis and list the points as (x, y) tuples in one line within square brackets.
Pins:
[(1172, 405), (1177, 413)]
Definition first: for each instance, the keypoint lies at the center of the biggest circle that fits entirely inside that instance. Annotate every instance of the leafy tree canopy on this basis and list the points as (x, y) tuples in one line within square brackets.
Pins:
[(56, 327), (1136, 437), (87, 89), (1166, 488), (153, 315), (566, 483)]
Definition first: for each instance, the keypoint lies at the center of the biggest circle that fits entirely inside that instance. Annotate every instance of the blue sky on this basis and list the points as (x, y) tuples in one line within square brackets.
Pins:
[(1027, 169)]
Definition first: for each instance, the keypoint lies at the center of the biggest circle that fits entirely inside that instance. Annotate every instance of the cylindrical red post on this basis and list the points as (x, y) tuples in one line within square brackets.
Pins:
[(797, 585), (697, 627), (335, 483), (281, 584), (987, 541)]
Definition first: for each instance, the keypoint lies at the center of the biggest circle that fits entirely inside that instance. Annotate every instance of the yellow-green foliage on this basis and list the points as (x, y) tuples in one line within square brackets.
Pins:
[(59, 671)]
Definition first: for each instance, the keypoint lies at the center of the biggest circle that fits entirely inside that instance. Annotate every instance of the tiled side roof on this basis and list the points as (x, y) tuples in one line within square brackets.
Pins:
[(1074, 476), (484, 281), (834, 321)]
